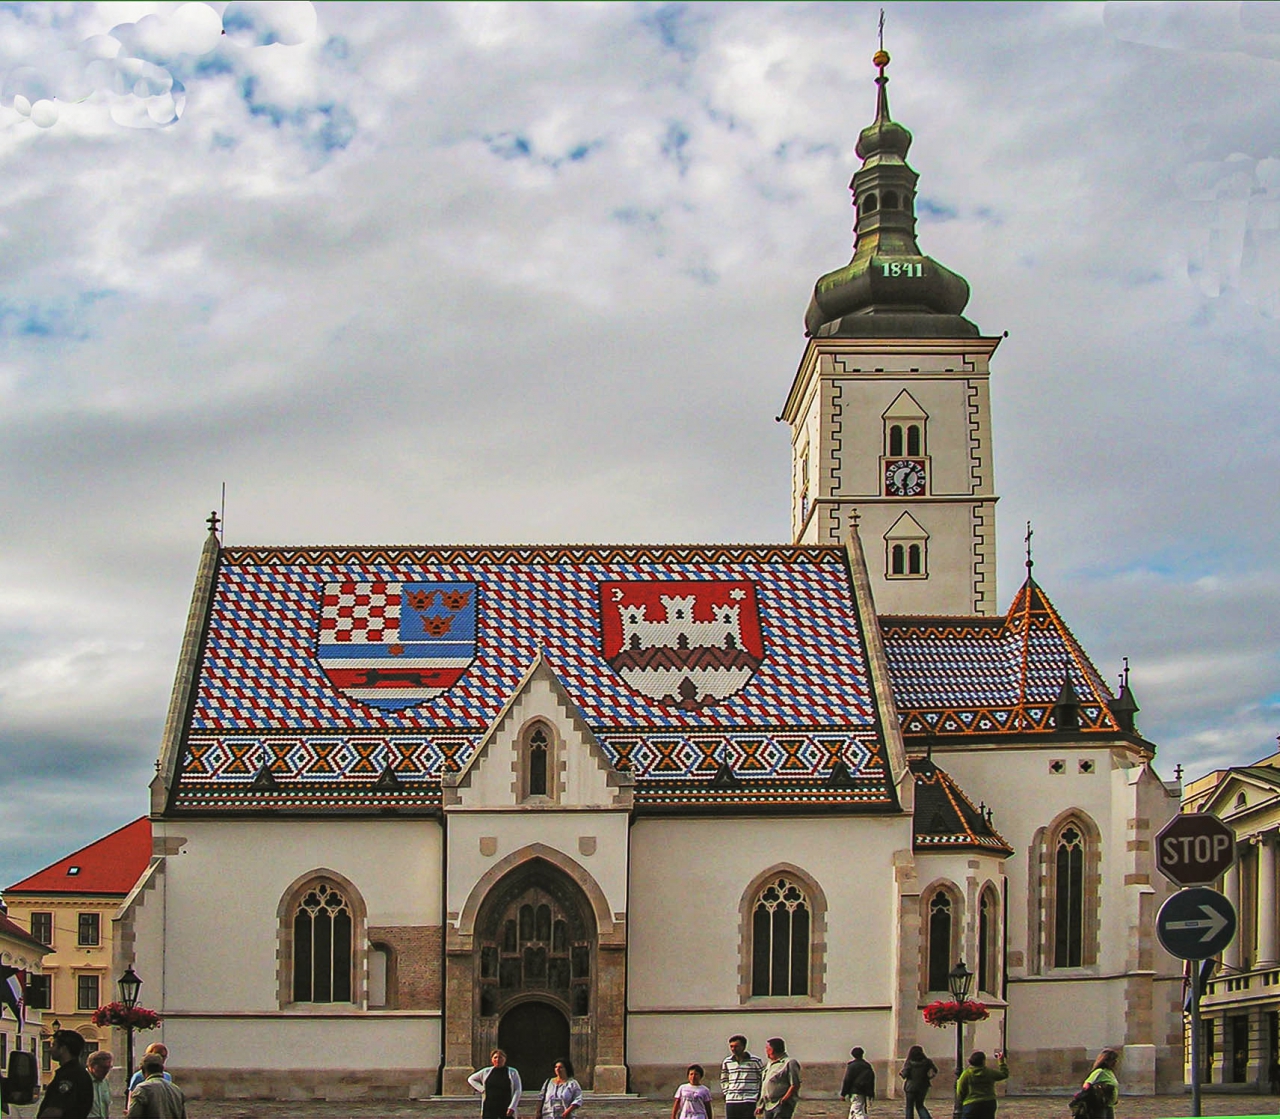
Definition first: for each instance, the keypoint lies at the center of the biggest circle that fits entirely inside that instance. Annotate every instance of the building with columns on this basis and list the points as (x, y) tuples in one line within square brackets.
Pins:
[(1240, 1010), (617, 803)]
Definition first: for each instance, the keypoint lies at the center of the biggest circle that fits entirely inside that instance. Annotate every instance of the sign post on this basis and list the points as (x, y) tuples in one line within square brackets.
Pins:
[(1193, 850)]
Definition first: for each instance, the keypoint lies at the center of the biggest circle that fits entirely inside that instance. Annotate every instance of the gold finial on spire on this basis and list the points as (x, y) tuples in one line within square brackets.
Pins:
[(881, 57)]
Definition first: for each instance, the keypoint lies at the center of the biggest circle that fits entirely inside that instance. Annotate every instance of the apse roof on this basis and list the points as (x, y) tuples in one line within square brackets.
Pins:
[(983, 676), (353, 678), (110, 865), (945, 819)]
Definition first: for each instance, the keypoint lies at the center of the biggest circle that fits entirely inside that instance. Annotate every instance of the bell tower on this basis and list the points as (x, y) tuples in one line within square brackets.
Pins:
[(889, 411)]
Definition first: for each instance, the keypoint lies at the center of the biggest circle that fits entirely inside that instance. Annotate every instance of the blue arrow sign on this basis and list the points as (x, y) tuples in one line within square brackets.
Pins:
[(1195, 924)]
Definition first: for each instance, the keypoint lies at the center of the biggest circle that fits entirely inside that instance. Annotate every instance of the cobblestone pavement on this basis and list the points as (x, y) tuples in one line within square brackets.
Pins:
[(1012, 1107)]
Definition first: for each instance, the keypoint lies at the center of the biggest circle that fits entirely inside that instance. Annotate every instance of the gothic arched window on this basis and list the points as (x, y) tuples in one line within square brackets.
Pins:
[(322, 946), (780, 928), (988, 941), (1068, 932), (940, 935), (538, 762)]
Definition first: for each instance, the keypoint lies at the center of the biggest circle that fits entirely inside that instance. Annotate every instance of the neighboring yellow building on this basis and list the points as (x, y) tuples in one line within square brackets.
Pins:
[(1240, 1009), (20, 953), (68, 906)]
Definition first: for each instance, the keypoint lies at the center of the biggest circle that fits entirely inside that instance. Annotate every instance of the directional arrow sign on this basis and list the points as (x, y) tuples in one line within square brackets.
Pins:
[(1196, 924)]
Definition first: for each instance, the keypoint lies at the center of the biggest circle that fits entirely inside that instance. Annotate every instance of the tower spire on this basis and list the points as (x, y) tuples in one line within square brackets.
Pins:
[(889, 289)]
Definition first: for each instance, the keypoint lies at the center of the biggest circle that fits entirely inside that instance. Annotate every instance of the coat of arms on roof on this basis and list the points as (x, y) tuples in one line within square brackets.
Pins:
[(392, 645), (686, 644)]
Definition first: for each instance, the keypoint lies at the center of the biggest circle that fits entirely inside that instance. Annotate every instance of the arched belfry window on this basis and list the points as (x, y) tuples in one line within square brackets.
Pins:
[(322, 946), (941, 914), (870, 203), (780, 927), (895, 441), (890, 200), (1068, 943), (913, 439)]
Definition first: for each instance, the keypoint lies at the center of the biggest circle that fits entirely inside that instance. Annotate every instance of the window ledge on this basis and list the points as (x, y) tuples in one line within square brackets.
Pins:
[(782, 1001)]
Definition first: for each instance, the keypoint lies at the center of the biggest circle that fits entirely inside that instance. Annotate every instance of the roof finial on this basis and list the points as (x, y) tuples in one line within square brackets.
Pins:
[(212, 521), (1124, 676), (1027, 540), (881, 60)]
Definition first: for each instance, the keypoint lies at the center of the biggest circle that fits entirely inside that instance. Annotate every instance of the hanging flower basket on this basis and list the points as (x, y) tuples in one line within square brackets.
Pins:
[(949, 1013), (117, 1014)]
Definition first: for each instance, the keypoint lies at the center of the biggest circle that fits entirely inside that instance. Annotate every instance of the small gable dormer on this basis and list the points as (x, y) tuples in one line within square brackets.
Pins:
[(538, 753), (904, 427), (906, 549)]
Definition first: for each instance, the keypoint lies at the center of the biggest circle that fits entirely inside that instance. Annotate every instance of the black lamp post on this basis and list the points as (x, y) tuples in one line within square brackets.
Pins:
[(959, 979), (129, 985)]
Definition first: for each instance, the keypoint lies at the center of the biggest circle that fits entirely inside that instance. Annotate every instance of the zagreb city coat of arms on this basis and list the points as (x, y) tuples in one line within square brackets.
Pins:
[(393, 645), (685, 644)]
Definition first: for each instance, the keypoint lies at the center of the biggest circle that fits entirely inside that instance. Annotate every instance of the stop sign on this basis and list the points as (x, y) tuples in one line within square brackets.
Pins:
[(1195, 849)]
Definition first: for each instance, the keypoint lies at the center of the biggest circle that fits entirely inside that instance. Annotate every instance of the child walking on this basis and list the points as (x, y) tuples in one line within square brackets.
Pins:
[(693, 1100)]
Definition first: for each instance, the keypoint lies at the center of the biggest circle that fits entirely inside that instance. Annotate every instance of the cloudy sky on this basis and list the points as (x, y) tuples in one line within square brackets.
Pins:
[(410, 273)]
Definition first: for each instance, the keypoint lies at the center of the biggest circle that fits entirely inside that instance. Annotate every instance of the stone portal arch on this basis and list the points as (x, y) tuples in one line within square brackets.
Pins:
[(530, 933)]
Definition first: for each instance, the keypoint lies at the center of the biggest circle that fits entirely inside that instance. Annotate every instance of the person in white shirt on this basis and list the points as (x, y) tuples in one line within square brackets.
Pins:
[(499, 1088)]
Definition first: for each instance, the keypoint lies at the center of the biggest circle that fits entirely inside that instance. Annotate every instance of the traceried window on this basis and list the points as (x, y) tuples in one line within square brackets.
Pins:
[(538, 744), (940, 917), (988, 923), (322, 925), (1068, 940), (780, 926)]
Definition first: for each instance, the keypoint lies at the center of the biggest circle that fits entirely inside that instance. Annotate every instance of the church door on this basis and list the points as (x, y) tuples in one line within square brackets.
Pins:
[(535, 967), (535, 1036)]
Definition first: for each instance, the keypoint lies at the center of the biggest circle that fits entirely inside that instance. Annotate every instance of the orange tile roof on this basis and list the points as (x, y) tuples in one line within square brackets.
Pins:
[(111, 865)]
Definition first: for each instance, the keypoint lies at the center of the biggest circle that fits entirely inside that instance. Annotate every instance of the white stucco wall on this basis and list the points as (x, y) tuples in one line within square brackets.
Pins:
[(224, 886), (688, 877)]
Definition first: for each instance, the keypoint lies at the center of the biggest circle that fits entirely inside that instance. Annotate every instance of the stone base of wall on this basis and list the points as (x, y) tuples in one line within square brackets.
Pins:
[(1062, 1071), (341, 1085)]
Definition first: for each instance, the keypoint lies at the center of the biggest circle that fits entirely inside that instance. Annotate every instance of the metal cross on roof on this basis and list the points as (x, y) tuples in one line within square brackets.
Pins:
[(1027, 541)]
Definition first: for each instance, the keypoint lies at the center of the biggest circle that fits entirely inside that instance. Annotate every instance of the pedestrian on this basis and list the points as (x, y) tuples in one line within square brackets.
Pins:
[(70, 1092), (780, 1082), (156, 1097), (917, 1073), (499, 1087), (100, 1062), (976, 1088), (859, 1085), (740, 1079), (1104, 1076), (561, 1094), (155, 1049), (693, 1100)]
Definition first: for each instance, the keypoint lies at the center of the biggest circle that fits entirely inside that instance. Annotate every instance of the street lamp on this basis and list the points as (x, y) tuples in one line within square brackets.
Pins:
[(958, 980), (129, 985)]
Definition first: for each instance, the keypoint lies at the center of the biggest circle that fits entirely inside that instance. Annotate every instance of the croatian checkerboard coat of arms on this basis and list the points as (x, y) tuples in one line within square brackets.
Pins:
[(685, 644), (393, 645)]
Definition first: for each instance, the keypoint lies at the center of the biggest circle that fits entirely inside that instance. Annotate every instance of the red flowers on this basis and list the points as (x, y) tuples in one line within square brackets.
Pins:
[(948, 1013), (117, 1014)]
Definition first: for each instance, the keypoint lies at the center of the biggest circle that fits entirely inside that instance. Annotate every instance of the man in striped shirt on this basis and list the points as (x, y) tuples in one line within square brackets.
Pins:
[(740, 1080)]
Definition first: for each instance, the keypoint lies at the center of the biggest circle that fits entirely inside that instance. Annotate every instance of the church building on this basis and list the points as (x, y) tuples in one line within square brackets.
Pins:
[(616, 803)]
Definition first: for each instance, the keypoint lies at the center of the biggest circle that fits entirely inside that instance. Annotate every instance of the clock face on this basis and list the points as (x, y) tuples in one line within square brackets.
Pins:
[(904, 477)]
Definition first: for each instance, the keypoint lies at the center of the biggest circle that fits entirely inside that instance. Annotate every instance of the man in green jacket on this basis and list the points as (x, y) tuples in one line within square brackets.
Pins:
[(976, 1088)]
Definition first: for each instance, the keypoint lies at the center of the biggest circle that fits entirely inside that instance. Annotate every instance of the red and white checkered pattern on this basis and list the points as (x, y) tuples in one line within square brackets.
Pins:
[(360, 613)]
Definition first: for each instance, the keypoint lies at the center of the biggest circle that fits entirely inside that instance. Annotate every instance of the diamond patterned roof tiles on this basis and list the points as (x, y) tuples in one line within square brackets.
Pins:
[(780, 696), (984, 676)]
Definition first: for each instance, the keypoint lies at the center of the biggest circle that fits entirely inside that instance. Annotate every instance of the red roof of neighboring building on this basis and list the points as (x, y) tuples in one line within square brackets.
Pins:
[(15, 930), (111, 865)]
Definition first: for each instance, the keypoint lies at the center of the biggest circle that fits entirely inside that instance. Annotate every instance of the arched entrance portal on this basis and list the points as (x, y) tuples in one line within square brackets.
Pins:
[(535, 966), (535, 1035)]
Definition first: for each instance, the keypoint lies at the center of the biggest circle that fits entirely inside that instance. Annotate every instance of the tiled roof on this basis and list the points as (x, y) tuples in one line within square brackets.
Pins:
[(345, 678), (985, 676), (945, 819), (110, 865)]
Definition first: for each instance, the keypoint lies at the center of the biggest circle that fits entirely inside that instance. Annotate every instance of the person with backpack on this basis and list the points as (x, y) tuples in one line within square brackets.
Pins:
[(917, 1074), (859, 1084), (1103, 1078)]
